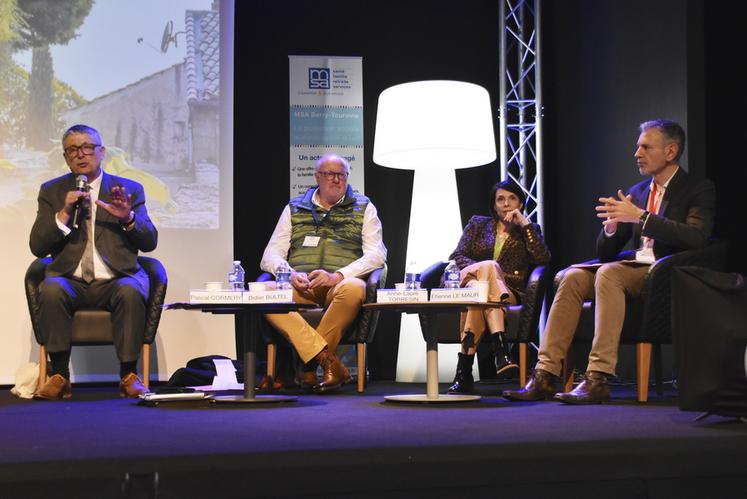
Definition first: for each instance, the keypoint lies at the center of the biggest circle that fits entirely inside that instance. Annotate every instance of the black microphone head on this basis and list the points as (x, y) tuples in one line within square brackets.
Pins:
[(81, 183)]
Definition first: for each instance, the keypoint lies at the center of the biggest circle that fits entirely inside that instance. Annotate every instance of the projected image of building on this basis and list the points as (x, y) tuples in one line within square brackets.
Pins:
[(161, 129), (167, 124)]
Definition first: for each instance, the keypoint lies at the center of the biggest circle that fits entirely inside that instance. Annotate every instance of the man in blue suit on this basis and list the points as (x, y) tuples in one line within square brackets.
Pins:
[(91, 205), (664, 214)]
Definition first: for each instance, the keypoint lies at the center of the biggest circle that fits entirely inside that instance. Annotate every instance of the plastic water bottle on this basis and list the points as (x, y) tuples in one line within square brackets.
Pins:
[(412, 278), (282, 276), (236, 276), (451, 275)]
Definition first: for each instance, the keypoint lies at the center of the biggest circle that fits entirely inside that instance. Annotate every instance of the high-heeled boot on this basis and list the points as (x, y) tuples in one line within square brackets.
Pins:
[(503, 362), (463, 380)]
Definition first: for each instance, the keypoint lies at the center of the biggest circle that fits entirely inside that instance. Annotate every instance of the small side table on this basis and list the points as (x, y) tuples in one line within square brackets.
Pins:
[(249, 315), (429, 311)]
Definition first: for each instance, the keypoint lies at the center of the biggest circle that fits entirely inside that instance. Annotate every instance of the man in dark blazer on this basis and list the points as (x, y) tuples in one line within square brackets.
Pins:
[(665, 214), (111, 212)]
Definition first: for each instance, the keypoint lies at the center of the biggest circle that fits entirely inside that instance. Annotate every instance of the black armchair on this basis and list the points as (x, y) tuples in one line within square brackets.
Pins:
[(647, 317), (359, 333), (93, 327), (521, 320)]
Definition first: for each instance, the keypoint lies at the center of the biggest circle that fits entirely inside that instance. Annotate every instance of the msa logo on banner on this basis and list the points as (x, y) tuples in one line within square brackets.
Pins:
[(319, 78)]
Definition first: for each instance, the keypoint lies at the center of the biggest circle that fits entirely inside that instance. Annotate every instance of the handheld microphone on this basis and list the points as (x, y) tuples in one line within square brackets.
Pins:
[(81, 184)]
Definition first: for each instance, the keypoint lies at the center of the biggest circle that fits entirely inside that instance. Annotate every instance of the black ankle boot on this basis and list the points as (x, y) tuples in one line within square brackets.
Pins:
[(503, 363), (463, 380)]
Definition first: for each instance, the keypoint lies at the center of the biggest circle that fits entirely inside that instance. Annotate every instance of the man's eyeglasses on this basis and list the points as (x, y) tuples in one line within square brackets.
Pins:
[(86, 149), (334, 175)]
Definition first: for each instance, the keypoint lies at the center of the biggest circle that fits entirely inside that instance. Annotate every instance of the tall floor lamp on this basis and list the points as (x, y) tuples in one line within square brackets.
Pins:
[(432, 127)]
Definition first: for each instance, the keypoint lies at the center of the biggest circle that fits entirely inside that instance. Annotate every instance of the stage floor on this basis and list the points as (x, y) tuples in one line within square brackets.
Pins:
[(351, 445)]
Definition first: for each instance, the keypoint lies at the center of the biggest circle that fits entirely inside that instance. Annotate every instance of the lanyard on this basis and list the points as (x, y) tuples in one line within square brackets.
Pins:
[(653, 207), (653, 202), (315, 216)]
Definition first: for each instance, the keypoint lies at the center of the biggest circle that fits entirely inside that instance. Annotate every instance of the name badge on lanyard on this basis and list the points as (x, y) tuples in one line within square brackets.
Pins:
[(645, 255), (311, 241)]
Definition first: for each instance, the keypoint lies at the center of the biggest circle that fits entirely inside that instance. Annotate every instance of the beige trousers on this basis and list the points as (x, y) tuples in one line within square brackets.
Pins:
[(342, 303), (607, 284), (477, 320)]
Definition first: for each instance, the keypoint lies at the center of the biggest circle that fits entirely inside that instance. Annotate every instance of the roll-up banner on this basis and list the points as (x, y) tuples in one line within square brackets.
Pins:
[(326, 116)]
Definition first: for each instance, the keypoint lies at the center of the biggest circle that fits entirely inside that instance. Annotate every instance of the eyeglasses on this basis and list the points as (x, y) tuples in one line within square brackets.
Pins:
[(87, 150), (334, 175)]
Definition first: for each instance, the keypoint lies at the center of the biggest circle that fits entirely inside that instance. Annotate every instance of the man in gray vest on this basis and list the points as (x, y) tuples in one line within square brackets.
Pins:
[(331, 238)]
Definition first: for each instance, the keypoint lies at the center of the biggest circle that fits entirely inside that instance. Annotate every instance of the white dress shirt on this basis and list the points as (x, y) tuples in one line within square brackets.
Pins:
[(100, 270), (660, 190), (374, 251)]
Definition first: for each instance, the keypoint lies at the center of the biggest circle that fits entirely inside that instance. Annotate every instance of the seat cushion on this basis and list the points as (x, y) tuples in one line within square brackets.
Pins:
[(92, 327), (313, 316)]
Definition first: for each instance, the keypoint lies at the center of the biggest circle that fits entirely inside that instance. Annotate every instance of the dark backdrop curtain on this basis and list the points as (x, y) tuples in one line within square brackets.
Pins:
[(607, 66)]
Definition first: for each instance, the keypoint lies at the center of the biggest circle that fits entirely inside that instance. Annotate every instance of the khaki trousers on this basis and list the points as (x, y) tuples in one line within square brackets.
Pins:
[(476, 321), (342, 303), (607, 284)]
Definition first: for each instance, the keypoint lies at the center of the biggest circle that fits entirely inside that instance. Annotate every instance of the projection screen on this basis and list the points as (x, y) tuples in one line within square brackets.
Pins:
[(155, 78)]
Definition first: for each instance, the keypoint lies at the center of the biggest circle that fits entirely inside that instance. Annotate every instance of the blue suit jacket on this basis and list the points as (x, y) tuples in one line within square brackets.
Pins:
[(685, 219)]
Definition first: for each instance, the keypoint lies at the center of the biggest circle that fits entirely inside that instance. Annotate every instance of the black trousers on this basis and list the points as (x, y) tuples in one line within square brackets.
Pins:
[(123, 297)]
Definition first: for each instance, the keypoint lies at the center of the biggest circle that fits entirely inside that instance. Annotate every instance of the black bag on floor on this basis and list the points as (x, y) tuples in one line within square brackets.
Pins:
[(201, 371), (709, 330)]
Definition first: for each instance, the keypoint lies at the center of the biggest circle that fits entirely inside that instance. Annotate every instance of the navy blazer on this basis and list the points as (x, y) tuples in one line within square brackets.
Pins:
[(685, 219), (117, 247)]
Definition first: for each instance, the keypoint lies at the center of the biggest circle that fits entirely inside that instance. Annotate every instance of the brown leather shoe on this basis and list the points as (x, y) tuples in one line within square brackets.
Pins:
[(56, 388), (264, 384), (335, 373), (594, 389), (131, 386), (346, 374), (307, 380), (540, 387)]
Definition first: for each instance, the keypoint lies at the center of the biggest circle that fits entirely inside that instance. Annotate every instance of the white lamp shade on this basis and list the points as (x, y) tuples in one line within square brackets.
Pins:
[(434, 124), (432, 127)]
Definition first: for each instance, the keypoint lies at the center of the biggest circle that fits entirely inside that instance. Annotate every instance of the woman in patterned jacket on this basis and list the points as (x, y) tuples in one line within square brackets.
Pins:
[(500, 249)]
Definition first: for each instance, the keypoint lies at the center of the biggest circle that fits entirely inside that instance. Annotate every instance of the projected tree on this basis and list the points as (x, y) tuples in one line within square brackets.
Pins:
[(46, 22), (8, 19), (9, 77)]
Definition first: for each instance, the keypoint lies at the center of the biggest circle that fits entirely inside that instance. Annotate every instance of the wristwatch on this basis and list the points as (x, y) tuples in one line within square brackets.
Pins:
[(643, 218), (128, 226)]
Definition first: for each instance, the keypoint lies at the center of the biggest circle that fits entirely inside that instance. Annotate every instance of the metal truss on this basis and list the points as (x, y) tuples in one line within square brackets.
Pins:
[(520, 112)]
